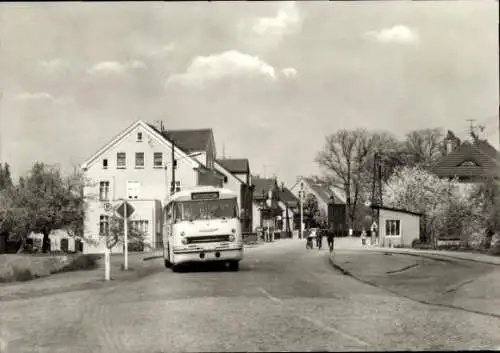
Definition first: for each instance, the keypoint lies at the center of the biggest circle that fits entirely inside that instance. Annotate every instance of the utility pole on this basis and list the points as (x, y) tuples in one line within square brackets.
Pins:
[(125, 231), (301, 196), (172, 185)]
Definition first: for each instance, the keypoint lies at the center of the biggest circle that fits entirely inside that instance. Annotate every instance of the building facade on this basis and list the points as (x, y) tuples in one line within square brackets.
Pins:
[(397, 227), (136, 166)]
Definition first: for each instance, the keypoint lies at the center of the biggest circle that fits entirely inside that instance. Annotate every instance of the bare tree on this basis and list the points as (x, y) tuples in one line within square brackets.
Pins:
[(347, 158), (423, 147)]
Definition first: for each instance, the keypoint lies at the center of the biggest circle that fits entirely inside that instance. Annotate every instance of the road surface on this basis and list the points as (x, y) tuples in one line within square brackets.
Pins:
[(284, 298)]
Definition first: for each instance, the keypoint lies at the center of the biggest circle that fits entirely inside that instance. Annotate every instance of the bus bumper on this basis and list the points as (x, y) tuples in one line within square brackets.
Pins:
[(209, 255)]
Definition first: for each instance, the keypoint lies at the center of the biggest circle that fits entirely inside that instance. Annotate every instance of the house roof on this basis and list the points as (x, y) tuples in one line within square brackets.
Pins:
[(191, 140), (262, 186), (235, 165), (220, 166), (323, 191), (154, 133), (484, 157), (287, 197), (396, 210)]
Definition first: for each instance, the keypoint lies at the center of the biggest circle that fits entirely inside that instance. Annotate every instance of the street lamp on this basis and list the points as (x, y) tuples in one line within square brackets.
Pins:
[(301, 197)]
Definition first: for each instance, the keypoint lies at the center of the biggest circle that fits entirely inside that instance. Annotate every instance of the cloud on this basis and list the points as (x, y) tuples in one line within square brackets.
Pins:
[(166, 49), (396, 34), (54, 65), (228, 64), (43, 96), (287, 20), (115, 67), (289, 72), (267, 32)]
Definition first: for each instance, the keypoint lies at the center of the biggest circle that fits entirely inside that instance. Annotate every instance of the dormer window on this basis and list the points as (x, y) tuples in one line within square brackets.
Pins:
[(139, 137), (468, 164)]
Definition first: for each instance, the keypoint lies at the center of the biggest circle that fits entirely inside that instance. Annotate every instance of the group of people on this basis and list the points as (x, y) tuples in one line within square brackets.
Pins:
[(317, 234)]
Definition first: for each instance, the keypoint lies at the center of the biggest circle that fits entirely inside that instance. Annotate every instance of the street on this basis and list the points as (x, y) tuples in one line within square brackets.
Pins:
[(284, 298)]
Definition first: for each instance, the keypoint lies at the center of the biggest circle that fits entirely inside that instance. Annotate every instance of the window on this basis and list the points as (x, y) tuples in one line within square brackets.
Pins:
[(158, 160), (139, 159), (104, 190), (103, 225), (468, 164), (140, 226), (392, 227), (177, 186), (105, 164), (121, 160), (139, 137)]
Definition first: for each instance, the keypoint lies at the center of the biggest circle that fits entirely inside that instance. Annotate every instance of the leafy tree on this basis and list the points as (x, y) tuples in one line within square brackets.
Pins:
[(441, 201), (116, 233), (311, 210), (486, 197), (50, 201), (5, 177)]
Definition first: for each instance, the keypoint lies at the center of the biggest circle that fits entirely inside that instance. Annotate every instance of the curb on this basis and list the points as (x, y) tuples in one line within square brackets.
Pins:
[(434, 256)]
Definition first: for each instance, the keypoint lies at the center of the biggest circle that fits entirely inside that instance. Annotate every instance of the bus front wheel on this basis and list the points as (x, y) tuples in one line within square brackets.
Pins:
[(234, 265)]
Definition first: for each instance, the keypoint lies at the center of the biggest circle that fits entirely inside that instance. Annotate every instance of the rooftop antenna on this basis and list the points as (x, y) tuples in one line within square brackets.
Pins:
[(471, 128), (223, 151)]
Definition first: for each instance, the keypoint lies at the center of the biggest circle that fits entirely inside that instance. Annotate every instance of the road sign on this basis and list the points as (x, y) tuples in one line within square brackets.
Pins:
[(107, 206), (374, 225), (120, 209)]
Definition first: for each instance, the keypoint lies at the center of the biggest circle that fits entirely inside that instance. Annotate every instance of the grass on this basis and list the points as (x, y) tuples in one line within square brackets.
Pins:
[(18, 268)]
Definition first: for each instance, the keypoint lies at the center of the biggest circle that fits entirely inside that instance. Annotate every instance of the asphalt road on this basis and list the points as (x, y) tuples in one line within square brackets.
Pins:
[(284, 298)]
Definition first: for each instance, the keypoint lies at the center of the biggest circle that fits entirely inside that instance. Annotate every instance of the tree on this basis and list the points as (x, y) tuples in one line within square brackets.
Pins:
[(116, 233), (347, 161), (423, 147), (311, 210), (50, 201), (486, 197), (5, 177)]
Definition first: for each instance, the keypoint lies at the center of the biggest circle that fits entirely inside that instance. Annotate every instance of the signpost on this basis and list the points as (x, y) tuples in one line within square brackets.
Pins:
[(107, 266), (125, 210)]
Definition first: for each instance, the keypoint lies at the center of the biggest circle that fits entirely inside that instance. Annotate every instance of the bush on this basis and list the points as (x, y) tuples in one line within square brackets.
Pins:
[(81, 262), (419, 244)]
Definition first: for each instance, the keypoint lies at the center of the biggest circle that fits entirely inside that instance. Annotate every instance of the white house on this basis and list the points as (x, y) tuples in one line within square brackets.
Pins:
[(397, 227), (137, 166)]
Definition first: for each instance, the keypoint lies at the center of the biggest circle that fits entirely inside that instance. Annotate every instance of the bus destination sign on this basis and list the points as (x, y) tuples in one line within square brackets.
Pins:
[(205, 196)]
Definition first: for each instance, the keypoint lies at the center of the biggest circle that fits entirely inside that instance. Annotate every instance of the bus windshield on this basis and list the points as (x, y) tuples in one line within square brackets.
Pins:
[(206, 209)]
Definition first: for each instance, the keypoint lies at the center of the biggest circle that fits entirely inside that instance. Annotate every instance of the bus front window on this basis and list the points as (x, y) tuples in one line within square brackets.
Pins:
[(209, 209)]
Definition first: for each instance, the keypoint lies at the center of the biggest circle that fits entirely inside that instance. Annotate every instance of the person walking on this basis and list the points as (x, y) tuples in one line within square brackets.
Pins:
[(330, 237), (363, 238)]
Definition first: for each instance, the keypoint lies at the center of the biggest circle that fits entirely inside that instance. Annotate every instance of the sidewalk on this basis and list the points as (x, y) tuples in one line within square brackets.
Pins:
[(351, 243), (467, 256)]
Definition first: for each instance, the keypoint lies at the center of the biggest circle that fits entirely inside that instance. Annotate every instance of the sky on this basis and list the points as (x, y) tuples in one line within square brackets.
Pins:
[(271, 79)]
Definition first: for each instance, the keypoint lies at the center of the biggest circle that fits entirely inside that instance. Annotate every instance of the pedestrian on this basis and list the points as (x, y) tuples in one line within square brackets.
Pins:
[(319, 238), (330, 237), (363, 237)]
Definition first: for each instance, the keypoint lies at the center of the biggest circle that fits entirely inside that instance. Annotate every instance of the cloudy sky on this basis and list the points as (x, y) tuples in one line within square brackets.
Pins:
[(271, 79)]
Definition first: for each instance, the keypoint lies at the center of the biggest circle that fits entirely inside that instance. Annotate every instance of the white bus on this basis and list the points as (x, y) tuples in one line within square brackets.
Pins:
[(202, 224)]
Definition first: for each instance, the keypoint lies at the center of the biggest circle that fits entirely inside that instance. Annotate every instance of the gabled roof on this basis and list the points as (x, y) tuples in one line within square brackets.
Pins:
[(218, 165), (179, 151), (323, 191), (235, 165), (190, 140), (482, 154), (262, 186), (287, 197)]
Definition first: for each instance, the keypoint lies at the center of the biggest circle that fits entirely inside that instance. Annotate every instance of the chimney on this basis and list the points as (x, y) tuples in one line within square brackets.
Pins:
[(282, 186)]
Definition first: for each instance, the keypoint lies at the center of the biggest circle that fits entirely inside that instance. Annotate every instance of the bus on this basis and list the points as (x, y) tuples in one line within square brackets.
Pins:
[(202, 225)]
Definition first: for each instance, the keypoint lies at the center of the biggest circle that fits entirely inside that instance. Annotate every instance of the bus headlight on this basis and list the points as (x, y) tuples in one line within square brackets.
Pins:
[(184, 241), (233, 230), (183, 233), (231, 237)]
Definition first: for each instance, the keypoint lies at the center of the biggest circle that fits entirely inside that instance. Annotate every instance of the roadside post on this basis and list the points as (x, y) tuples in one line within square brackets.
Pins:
[(125, 210), (107, 265)]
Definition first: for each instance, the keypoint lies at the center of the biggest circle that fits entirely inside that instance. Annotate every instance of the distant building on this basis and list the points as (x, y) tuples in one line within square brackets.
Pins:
[(331, 200), (264, 189), (237, 177)]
